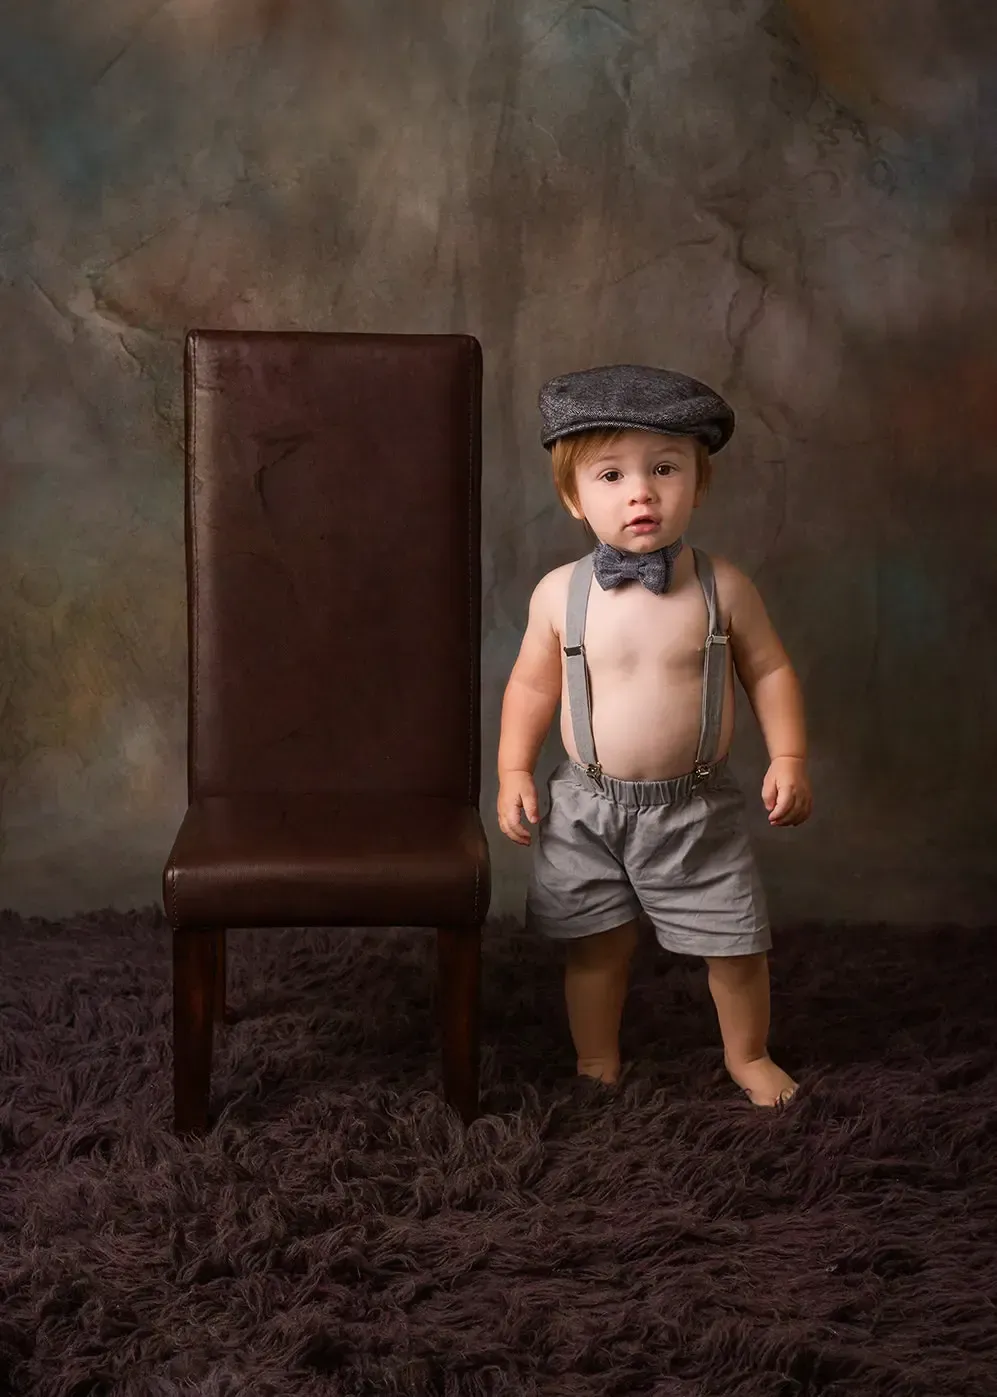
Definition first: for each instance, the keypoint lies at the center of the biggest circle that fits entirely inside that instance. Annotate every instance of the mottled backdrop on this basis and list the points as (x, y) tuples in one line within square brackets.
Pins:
[(795, 200)]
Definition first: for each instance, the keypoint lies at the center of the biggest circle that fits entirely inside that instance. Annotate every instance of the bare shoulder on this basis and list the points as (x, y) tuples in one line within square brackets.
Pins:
[(550, 597), (757, 648), (734, 588), (732, 583), (538, 665)]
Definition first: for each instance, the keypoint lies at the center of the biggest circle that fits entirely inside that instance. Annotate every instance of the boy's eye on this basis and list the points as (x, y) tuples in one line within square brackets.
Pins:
[(665, 466)]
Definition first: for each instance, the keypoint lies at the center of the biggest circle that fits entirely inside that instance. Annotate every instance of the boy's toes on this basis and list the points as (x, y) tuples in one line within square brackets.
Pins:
[(783, 1099)]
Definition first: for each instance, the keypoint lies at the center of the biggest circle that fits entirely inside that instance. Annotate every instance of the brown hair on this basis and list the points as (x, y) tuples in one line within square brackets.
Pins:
[(568, 453)]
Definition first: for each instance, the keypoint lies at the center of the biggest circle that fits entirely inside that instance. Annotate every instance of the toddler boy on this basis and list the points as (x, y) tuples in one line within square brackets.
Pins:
[(638, 642)]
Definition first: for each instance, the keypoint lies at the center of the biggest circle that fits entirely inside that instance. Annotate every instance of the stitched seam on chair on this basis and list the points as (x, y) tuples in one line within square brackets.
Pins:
[(470, 570), (477, 884), (195, 628)]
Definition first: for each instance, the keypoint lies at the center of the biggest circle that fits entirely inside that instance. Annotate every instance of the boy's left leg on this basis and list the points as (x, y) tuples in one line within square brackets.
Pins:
[(740, 989)]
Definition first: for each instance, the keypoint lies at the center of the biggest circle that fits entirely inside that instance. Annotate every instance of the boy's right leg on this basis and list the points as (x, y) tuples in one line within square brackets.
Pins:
[(596, 976)]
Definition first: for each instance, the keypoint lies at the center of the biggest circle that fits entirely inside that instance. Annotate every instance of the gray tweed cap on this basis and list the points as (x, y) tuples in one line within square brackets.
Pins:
[(635, 396)]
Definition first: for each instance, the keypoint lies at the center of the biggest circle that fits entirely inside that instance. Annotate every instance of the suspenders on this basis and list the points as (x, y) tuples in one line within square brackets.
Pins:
[(579, 691)]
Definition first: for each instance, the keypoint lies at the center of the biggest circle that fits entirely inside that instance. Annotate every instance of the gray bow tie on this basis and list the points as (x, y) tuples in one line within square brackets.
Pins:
[(612, 566)]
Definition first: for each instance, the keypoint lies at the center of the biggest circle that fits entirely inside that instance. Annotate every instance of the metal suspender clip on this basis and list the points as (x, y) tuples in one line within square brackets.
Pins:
[(574, 649)]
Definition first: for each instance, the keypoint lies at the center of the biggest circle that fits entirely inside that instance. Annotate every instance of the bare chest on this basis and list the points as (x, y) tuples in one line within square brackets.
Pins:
[(631, 633)]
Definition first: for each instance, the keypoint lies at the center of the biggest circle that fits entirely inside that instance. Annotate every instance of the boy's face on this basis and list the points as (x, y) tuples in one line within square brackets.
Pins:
[(641, 473)]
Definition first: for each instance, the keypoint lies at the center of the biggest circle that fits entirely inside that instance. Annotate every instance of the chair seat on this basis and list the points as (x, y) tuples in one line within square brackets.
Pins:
[(328, 860)]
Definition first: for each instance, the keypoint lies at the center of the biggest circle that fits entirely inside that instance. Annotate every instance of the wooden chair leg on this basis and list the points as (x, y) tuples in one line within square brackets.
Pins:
[(221, 978), (195, 955), (459, 957)]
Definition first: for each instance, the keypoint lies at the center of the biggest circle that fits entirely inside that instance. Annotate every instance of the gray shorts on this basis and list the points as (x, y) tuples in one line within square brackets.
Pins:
[(607, 849)]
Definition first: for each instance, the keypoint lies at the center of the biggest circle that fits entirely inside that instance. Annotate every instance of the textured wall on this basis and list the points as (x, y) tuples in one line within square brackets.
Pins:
[(795, 201)]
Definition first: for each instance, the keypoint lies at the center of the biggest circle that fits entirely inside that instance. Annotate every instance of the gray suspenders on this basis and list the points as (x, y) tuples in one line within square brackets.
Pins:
[(579, 692)]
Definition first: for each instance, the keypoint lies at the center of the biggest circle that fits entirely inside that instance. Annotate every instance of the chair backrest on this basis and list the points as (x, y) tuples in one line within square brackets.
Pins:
[(333, 525)]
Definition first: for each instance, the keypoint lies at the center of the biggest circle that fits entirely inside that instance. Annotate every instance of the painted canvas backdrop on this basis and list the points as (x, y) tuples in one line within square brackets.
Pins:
[(793, 200)]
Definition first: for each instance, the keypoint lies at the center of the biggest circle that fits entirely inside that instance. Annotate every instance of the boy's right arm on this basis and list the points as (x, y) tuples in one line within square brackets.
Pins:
[(528, 708)]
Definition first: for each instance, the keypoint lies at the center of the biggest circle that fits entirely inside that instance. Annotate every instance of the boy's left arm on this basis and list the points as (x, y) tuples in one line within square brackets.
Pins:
[(774, 692)]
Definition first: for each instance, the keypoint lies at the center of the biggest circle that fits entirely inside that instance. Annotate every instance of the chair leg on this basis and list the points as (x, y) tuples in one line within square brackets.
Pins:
[(195, 956), (221, 978), (459, 957)]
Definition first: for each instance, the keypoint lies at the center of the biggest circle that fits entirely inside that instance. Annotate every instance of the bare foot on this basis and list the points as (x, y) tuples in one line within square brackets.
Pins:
[(763, 1083), (599, 1070)]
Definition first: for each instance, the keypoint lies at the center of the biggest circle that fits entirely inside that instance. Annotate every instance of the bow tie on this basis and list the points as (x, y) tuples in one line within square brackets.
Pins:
[(613, 566)]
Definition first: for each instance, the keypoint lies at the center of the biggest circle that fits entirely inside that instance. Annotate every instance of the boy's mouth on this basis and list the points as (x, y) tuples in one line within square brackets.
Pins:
[(643, 520)]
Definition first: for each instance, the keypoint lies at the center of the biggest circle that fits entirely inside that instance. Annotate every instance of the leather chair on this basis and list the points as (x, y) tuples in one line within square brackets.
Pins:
[(333, 522)]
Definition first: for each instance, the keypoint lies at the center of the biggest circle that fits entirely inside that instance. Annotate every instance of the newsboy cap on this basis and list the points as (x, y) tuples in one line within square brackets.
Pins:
[(634, 396)]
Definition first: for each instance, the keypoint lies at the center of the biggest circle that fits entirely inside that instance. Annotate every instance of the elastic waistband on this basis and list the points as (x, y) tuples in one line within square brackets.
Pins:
[(641, 793)]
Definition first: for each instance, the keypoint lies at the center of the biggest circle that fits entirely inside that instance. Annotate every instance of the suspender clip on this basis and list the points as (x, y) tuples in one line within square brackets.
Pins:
[(594, 769)]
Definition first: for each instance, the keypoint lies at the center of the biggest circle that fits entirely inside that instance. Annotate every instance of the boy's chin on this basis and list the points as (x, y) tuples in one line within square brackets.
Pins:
[(628, 542), (636, 543)]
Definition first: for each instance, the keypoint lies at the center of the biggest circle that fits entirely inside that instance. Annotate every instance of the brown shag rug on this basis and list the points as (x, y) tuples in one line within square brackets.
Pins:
[(338, 1232)]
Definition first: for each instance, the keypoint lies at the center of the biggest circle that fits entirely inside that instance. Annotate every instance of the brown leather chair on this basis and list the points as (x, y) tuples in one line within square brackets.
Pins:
[(333, 522)]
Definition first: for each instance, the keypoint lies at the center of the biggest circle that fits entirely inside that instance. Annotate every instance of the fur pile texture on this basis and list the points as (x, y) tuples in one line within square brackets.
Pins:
[(339, 1232)]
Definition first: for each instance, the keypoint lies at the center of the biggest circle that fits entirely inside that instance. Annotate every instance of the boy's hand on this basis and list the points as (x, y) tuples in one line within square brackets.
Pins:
[(786, 792), (517, 796)]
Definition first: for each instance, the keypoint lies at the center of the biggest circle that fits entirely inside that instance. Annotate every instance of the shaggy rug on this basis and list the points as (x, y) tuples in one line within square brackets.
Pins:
[(339, 1232)]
